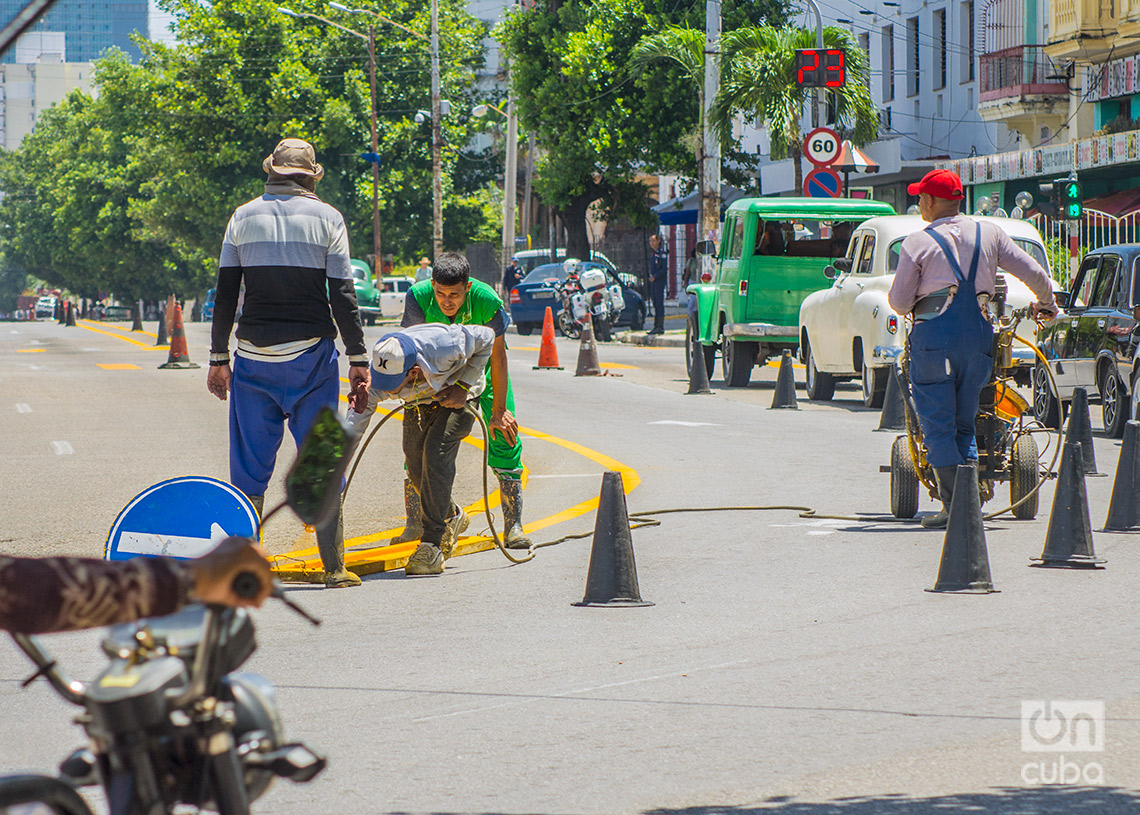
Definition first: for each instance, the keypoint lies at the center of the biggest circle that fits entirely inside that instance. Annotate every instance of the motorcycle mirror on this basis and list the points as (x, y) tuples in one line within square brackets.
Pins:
[(706, 247), (313, 484)]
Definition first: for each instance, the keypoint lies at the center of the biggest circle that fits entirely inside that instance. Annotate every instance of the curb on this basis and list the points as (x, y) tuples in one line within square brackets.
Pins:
[(669, 339)]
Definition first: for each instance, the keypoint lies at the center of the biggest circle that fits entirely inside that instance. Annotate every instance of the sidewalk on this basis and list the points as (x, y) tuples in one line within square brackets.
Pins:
[(674, 336)]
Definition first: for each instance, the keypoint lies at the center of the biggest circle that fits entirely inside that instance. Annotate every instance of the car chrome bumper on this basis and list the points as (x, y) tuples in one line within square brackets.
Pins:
[(760, 331)]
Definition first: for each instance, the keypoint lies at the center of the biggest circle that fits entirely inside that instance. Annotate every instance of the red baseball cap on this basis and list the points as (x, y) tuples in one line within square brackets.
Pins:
[(940, 184)]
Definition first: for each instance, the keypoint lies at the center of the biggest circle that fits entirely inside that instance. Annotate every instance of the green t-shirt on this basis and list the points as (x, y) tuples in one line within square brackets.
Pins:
[(479, 307)]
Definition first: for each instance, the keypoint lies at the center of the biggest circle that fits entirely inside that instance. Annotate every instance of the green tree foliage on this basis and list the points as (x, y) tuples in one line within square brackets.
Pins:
[(599, 118), (130, 192), (758, 79)]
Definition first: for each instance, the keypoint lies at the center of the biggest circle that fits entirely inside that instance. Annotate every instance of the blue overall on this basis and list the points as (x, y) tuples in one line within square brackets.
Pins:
[(951, 359)]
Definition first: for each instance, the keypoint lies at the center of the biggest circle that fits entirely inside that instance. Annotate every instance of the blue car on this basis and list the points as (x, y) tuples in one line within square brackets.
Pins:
[(529, 299)]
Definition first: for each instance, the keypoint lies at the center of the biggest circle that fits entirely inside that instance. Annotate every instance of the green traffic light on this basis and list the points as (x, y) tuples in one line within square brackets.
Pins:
[(1073, 211), (1073, 190)]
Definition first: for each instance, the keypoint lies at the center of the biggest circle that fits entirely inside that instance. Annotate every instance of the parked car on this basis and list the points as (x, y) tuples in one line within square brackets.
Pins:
[(529, 299), (45, 306), (367, 295), (208, 306), (1092, 343), (393, 294), (765, 268), (849, 331), (118, 313)]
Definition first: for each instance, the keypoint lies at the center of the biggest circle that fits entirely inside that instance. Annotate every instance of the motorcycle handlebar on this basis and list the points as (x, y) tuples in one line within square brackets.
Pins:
[(70, 689)]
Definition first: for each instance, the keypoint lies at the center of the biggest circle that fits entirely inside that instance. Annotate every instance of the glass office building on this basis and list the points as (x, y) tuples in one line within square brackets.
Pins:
[(90, 26)]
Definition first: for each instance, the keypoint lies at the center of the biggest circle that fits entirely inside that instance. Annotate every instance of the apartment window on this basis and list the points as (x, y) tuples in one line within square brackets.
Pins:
[(940, 47), (885, 119), (888, 63), (913, 63), (865, 45), (968, 53)]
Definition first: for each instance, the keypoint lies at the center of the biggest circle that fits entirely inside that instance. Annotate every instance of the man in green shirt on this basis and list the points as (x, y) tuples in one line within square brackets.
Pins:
[(452, 297)]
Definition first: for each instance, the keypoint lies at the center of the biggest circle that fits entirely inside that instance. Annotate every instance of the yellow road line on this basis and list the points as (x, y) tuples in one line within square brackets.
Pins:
[(618, 365), (126, 339), (118, 366), (30, 350), (525, 348)]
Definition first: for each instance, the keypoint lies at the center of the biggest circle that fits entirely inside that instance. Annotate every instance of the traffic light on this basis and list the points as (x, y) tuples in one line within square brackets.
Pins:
[(1071, 206), (1051, 190)]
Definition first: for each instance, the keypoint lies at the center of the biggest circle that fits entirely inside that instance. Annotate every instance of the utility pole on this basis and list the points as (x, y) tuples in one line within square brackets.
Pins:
[(510, 175), (527, 216), (710, 153), (817, 93), (378, 263), (436, 140)]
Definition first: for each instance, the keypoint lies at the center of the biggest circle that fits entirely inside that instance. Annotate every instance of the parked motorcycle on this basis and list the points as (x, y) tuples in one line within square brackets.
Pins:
[(586, 295), (171, 722)]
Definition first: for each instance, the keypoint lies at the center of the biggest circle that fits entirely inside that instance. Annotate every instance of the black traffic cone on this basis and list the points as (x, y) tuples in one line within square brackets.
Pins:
[(893, 415), (965, 565), (588, 352), (1124, 507), (785, 393), (1069, 543), (70, 310), (698, 376), (57, 312), (612, 579), (1080, 429), (137, 324), (162, 340)]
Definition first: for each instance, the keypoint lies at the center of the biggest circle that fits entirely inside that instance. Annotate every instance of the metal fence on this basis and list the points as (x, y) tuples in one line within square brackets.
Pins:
[(1093, 230)]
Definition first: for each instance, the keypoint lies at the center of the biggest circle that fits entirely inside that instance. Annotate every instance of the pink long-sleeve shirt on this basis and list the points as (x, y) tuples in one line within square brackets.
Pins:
[(924, 269)]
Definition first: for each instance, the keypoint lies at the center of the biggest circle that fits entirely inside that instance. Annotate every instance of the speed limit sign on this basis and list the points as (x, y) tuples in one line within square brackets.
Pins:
[(821, 147)]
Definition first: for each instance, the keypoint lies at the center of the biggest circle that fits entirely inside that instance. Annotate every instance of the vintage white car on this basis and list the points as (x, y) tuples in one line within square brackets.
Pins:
[(393, 293), (849, 331)]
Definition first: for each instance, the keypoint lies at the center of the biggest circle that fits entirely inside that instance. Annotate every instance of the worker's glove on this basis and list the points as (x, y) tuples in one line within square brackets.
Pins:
[(1048, 312)]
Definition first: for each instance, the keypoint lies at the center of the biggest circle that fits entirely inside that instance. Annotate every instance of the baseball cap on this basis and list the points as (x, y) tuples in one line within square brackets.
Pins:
[(293, 157), (392, 358), (940, 184)]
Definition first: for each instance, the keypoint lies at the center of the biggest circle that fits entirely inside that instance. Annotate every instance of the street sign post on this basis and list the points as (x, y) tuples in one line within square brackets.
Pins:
[(822, 146), (823, 183), (181, 518)]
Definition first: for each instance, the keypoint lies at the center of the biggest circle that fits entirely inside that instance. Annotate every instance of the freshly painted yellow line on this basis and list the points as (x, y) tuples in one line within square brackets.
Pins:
[(30, 350), (120, 328), (525, 348), (126, 339), (302, 566), (618, 365), (119, 366), (775, 363)]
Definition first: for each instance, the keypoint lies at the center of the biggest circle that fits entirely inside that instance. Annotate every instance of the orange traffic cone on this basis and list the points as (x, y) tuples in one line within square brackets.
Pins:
[(548, 352), (179, 356)]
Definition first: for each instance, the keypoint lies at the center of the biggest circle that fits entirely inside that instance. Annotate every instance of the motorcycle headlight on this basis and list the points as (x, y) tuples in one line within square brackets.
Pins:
[(256, 720)]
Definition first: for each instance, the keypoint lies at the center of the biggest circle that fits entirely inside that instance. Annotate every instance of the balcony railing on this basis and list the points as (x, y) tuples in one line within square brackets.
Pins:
[(1021, 71)]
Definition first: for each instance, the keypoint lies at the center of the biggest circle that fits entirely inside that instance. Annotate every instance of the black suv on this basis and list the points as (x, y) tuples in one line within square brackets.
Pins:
[(1092, 342)]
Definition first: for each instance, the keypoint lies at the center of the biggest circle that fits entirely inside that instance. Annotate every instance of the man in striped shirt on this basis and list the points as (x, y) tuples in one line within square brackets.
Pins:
[(290, 250)]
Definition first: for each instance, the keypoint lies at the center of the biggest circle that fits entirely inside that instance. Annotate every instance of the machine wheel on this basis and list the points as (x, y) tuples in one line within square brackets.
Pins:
[(1114, 404), (737, 360), (874, 385), (1046, 407), (638, 321), (820, 386), (524, 329), (568, 326), (1024, 472), (708, 350), (904, 480)]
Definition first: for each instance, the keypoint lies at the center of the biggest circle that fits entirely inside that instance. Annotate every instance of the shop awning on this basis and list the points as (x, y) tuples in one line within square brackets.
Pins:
[(684, 210)]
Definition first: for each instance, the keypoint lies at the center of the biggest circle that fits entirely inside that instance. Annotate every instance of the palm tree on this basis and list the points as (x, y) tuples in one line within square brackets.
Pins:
[(759, 80)]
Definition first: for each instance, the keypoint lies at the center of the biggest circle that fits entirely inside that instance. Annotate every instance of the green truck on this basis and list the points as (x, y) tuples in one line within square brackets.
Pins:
[(772, 255)]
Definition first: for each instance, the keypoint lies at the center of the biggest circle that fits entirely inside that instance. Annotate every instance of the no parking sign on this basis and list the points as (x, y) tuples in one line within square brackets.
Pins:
[(823, 183), (181, 518)]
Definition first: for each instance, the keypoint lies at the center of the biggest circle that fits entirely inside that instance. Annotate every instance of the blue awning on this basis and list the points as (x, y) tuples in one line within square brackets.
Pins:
[(684, 210)]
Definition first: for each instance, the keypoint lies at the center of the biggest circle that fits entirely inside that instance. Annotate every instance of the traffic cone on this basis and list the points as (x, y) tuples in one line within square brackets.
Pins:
[(785, 393), (57, 312), (965, 564), (70, 311), (179, 356), (1069, 543), (548, 353), (1124, 507), (161, 340), (698, 376), (137, 324), (893, 415), (612, 578), (588, 352), (1080, 429)]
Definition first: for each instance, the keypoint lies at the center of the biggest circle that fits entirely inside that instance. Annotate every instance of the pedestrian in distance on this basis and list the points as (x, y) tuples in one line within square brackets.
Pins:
[(436, 370), (423, 271), (512, 275), (658, 277), (290, 249), (452, 297), (945, 279)]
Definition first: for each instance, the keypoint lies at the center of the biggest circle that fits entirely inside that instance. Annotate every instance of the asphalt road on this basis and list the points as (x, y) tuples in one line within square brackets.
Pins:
[(788, 665)]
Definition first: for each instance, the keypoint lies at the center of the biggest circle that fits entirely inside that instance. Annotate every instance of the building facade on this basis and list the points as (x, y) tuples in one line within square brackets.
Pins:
[(89, 26)]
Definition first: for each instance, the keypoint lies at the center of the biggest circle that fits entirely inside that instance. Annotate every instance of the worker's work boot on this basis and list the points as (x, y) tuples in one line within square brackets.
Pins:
[(414, 530), (945, 477), (456, 524), (510, 489), (427, 559), (330, 543)]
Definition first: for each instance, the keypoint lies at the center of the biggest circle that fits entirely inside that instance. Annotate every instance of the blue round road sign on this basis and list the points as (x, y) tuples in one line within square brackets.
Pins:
[(823, 183), (182, 518)]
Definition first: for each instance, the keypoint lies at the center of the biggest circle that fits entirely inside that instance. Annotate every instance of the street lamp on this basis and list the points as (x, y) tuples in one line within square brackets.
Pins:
[(436, 115), (374, 157), (510, 173)]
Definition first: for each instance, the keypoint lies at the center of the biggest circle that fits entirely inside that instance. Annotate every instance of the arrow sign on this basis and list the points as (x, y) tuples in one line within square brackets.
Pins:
[(181, 518), (823, 183)]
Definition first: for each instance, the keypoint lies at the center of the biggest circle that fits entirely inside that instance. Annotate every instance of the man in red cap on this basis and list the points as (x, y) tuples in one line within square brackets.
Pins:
[(945, 278)]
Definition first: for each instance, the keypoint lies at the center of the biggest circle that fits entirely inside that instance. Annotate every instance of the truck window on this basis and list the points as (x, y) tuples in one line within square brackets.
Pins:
[(736, 241), (1102, 293)]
